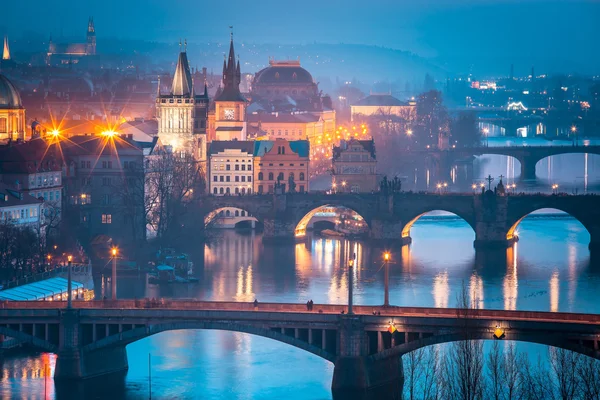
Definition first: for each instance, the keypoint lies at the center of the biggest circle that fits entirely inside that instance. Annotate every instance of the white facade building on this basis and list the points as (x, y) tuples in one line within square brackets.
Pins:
[(230, 168), (19, 208)]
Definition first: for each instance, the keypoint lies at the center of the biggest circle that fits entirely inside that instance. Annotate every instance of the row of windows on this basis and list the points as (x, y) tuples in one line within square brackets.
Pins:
[(237, 167), (227, 178), (237, 213), (18, 214), (281, 165), (280, 176), (107, 218), (286, 132), (49, 196), (219, 160), (45, 180), (227, 190)]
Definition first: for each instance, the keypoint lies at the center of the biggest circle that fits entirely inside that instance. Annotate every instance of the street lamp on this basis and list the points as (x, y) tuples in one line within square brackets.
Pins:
[(350, 284), (574, 131), (409, 132), (343, 186), (69, 283), (386, 298), (113, 278), (486, 131), (334, 186), (555, 188)]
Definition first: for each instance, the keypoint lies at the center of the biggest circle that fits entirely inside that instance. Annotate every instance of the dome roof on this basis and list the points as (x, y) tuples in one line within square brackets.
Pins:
[(283, 72), (9, 95)]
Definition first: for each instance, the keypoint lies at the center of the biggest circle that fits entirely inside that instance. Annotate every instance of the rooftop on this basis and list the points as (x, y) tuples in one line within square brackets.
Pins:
[(384, 100)]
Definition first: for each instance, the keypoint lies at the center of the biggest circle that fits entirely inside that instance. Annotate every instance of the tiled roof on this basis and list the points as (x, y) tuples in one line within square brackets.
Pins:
[(218, 146), (368, 145), (15, 197)]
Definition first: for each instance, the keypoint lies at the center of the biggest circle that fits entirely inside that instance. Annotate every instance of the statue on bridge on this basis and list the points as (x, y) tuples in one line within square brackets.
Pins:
[(390, 186)]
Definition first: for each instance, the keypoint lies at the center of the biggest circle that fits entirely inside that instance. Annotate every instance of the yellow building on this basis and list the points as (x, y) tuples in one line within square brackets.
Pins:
[(12, 113)]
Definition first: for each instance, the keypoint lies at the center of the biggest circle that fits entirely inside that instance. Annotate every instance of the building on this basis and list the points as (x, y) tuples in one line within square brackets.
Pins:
[(70, 53), (6, 50), (281, 164), (230, 106), (12, 112), (104, 187), (182, 114), (383, 105), (293, 126), (354, 166), (19, 208), (286, 83), (35, 169), (231, 167)]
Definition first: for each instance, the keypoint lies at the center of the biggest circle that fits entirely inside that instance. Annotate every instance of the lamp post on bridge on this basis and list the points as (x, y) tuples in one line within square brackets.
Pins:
[(113, 277), (69, 283), (350, 283), (386, 296)]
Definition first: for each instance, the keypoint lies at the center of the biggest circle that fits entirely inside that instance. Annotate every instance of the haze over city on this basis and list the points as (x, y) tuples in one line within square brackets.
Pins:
[(310, 200)]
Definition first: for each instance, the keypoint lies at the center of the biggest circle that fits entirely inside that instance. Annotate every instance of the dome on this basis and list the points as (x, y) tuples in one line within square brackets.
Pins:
[(283, 72), (9, 95)]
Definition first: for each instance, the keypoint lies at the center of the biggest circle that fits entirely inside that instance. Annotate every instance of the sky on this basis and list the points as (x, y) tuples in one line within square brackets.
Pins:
[(551, 34)]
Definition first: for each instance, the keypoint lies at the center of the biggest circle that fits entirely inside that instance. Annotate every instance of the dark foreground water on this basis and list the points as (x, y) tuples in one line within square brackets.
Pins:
[(550, 269)]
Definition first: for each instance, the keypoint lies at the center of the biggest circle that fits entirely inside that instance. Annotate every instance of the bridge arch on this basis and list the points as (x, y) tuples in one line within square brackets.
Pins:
[(514, 223), (469, 219), (125, 338), (302, 224), (543, 339), (23, 337), (228, 212)]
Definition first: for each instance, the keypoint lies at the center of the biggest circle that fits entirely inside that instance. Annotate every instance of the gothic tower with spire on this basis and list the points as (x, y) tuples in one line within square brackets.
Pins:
[(91, 38), (182, 114), (230, 105), (6, 51)]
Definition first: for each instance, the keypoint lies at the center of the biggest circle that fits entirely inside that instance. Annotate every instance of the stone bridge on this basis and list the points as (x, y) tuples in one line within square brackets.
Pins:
[(494, 218), (366, 349), (528, 156)]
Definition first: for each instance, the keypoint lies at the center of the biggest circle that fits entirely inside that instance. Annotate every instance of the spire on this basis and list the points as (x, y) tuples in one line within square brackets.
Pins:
[(6, 52), (158, 89), (231, 77), (182, 81), (91, 29), (205, 89)]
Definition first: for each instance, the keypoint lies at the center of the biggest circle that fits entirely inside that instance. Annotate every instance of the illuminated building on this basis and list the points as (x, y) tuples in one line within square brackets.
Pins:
[(19, 208), (279, 163), (355, 166), (230, 106), (383, 105), (6, 50), (12, 113), (35, 168), (293, 126), (182, 115), (69, 53), (231, 167), (282, 81)]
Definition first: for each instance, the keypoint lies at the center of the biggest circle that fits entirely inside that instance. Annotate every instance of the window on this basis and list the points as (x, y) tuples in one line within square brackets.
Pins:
[(301, 189), (249, 179), (110, 164), (243, 167), (221, 178), (237, 190), (3, 125), (260, 189), (249, 167), (270, 176), (291, 175), (228, 167), (221, 190), (243, 179), (286, 132), (227, 191), (106, 199), (228, 179), (301, 176), (82, 164), (260, 176), (243, 190), (237, 178), (280, 176), (104, 164), (107, 218), (51, 197), (215, 178), (105, 181), (237, 167), (227, 213), (243, 213), (88, 164), (215, 191), (57, 195), (237, 213)]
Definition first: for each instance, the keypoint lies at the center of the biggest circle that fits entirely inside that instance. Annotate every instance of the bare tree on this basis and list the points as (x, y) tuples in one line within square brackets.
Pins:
[(463, 365), (494, 372), (535, 383), (565, 366), (588, 372), (511, 373), (431, 373), (413, 371)]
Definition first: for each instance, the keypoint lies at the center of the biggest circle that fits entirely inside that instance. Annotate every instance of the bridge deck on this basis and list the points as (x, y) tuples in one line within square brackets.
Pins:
[(28, 309)]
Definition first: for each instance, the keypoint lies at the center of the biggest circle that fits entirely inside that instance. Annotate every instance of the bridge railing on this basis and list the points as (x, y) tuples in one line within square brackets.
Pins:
[(195, 305)]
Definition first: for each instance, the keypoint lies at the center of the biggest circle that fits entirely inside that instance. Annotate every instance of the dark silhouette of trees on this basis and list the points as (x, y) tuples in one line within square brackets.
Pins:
[(465, 131)]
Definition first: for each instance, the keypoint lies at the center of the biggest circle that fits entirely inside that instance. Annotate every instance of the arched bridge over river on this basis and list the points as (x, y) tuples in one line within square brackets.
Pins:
[(90, 338)]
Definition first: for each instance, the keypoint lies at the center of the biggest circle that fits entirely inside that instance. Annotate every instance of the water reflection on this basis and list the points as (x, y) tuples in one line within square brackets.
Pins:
[(235, 267)]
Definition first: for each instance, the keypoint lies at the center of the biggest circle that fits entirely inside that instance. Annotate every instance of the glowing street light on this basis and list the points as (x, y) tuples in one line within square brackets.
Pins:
[(386, 297), (113, 278), (55, 133), (409, 132), (573, 129), (109, 133), (69, 283)]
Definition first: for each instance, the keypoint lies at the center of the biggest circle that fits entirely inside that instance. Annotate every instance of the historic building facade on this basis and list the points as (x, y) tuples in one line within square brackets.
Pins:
[(354, 166), (182, 114), (231, 167), (384, 105), (281, 165), (228, 122), (12, 113)]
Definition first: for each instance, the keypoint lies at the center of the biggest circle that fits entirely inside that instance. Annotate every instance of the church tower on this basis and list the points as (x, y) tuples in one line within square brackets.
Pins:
[(91, 38), (6, 51), (182, 114), (230, 105)]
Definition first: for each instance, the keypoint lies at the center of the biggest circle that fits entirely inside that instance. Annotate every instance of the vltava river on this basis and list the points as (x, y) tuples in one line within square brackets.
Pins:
[(550, 269)]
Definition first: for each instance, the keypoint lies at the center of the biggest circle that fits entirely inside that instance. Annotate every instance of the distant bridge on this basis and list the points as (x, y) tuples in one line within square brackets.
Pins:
[(366, 349), (528, 156), (494, 218)]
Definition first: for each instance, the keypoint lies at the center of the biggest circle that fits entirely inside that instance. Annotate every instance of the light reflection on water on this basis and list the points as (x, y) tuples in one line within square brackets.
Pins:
[(550, 270)]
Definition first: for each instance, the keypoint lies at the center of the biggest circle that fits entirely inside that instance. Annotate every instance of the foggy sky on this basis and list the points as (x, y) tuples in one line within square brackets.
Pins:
[(549, 34)]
